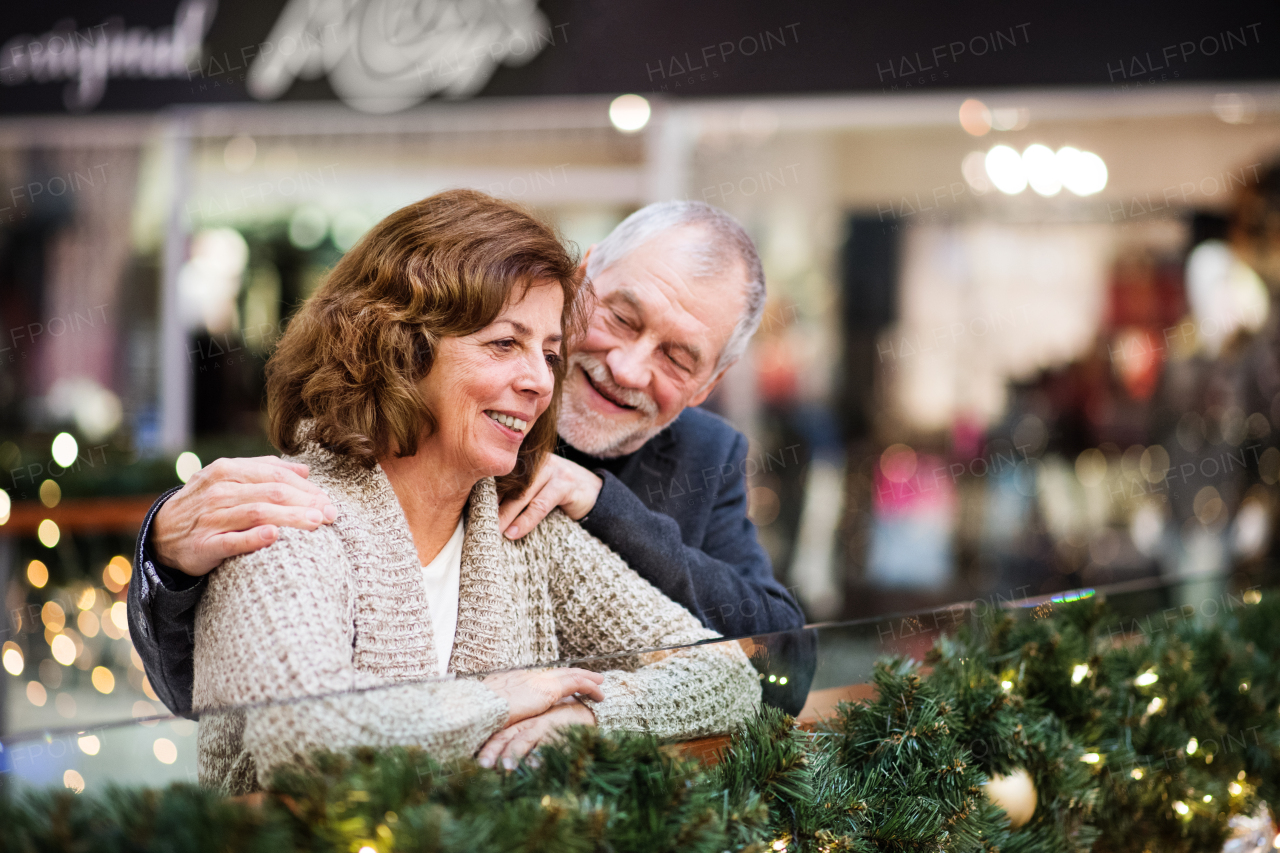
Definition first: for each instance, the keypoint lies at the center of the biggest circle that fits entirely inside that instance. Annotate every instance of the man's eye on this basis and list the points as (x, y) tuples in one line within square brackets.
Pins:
[(671, 358), (621, 319)]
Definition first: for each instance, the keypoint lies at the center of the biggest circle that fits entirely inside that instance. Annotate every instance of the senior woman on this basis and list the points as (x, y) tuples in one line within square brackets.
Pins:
[(419, 384)]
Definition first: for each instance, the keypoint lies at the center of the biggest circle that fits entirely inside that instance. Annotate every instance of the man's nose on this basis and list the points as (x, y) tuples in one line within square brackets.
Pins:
[(628, 366)]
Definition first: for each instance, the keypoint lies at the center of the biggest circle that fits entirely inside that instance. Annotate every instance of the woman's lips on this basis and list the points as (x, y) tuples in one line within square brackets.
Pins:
[(607, 398)]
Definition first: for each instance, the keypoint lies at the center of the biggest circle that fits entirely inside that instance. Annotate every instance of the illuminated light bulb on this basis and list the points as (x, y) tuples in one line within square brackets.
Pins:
[(1091, 758), (1252, 596), (187, 465), (1244, 687), (629, 113), (1006, 686), (1208, 798), (65, 449), (1042, 170), (1156, 704), (89, 744), (782, 680), (48, 533), (1235, 789), (1192, 746), (1146, 679), (1135, 773), (1181, 808), (1079, 673), (1006, 170), (773, 678)]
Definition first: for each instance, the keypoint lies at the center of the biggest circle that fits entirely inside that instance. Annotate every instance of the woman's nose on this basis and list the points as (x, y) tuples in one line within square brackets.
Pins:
[(537, 377)]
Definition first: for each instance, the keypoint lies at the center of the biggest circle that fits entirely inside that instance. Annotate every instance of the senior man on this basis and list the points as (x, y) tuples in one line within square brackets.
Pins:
[(679, 293)]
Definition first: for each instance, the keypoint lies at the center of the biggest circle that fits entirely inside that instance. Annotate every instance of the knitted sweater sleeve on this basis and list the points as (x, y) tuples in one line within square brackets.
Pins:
[(602, 607), (278, 624)]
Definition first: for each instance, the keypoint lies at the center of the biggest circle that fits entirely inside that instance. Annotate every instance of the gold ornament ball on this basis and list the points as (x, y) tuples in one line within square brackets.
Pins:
[(1015, 793)]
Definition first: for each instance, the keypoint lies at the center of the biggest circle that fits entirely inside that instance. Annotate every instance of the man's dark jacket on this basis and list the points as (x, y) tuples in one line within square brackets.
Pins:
[(675, 510)]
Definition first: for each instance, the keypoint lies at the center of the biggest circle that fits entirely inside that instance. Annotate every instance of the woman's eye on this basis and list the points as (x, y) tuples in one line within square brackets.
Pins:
[(553, 359), (505, 344)]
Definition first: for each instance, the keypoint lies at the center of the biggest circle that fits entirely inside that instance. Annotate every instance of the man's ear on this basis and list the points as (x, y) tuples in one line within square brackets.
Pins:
[(582, 265), (701, 396)]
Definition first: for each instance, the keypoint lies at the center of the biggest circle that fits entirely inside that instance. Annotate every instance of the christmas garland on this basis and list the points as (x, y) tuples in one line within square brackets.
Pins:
[(1046, 732)]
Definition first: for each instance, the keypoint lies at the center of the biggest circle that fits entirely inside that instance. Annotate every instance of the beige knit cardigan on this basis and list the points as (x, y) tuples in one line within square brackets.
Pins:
[(336, 611)]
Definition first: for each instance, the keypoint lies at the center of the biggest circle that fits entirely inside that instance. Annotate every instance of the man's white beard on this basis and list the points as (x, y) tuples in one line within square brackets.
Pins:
[(597, 434)]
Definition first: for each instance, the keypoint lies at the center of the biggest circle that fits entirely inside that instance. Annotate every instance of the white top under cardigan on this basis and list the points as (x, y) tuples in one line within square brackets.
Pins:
[(442, 579)]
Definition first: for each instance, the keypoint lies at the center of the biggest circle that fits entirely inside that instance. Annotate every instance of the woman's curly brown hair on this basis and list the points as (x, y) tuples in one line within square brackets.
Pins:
[(442, 267)]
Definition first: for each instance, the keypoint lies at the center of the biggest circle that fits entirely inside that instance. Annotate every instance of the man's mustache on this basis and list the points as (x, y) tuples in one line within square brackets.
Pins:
[(603, 379)]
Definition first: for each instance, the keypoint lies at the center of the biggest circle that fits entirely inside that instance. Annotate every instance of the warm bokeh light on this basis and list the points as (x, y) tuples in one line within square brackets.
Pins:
[(629, 113), (89, 744), (87, 623), (187, 465), (1042, 170), (50, 493), (11, 656), (65, 449), (6, 505), (48, 533), (87, 598), (37, 574), (898, 463), (975, 118), (1006, 170), (73, 780), (165, 750), (53, 616), (120, 615), (36, 694), (65, 705), (116, 575), (1091, 467), (1082, 172), (103, 680), (64, 649)]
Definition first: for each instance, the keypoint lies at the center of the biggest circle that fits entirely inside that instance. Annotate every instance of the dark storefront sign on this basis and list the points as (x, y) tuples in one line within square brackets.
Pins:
[(388, 55)]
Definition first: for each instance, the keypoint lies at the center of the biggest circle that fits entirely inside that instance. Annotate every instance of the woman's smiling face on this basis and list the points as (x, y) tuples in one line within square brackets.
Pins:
[(488, 388)]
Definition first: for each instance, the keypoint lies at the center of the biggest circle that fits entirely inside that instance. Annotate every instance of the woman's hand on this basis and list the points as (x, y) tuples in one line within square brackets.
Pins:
[(515, 741), (528, 692)]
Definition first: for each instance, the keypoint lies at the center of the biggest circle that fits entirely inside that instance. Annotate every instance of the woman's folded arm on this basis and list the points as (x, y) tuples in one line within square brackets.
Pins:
[(275, 631), (604, 608)]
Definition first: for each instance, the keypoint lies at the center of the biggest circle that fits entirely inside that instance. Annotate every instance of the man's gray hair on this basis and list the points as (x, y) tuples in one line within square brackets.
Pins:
[(727, 247)]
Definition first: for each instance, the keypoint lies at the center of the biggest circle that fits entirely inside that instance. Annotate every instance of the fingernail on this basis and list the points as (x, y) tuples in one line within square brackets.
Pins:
[(511, 532), (269, 534), (509, 763), (486, 763), (330, 512), (314, 516)]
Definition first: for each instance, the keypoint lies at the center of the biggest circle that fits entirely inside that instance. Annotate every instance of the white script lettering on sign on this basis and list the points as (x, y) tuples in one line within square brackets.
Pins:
[(382, 56), (91, 56)]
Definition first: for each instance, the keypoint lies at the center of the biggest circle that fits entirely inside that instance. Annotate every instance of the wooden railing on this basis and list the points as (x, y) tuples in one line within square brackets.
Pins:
[(80, 515)]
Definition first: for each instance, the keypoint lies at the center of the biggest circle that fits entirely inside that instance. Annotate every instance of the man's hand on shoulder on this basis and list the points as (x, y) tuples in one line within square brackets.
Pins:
[(234, 506), (559, 483)]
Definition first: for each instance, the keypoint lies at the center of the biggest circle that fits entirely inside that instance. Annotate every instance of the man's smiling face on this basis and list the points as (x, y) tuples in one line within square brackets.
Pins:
[(656, 333)]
